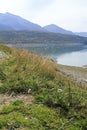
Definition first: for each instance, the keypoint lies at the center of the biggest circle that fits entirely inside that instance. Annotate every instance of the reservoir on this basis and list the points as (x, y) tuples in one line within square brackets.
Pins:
[(78, 58), (65, 55)]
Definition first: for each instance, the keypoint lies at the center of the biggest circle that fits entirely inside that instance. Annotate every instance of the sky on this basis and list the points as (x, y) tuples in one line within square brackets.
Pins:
[(68, 14)]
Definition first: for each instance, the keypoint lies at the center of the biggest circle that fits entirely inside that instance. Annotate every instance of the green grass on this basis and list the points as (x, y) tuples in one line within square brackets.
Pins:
[(6, 49), (33, 117), (59, 103)]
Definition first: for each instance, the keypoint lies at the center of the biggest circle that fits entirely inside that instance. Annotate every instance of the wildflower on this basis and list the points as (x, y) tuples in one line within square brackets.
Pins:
[(59, 90), (26, 118), (29, 90)]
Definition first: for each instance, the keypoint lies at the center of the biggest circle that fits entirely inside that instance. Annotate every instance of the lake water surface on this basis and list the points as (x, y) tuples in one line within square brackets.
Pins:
[(71, 55), (78, 58)]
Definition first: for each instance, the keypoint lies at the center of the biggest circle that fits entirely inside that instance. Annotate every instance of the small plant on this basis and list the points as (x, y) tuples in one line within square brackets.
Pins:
[(2, 75), (18, 103), (12, 125)]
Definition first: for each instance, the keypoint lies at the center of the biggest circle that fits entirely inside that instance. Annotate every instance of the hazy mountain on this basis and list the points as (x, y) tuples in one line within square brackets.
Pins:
[(12, 22), (84, 34), (55, 29)]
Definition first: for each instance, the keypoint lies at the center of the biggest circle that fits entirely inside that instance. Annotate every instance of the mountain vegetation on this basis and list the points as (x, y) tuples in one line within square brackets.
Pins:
[(57, 104), (30, 37)]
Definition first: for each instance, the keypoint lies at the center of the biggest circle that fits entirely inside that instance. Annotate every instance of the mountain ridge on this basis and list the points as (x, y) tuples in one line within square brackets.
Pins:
[(14, 22), (56, 29), (83, 34), (10, 21)]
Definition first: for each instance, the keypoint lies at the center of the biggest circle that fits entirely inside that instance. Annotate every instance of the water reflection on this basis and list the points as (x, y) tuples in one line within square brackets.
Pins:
[(78, 58), (66, 55)]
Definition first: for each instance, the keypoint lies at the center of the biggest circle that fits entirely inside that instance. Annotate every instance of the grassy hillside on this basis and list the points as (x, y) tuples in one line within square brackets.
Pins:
[(12, 37), (57, 104)]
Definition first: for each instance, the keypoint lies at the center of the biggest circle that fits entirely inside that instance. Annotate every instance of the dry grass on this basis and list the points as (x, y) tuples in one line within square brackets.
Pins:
[(35, 63)]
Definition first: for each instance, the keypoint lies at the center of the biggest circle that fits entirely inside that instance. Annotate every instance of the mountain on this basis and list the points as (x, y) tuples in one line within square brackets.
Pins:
[(9, 21), (55, 29), (83, 34), (13, 22)]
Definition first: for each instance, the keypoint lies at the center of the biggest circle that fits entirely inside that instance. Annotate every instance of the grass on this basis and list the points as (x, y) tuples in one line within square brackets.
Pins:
[(59, 103), (33, 117), (6, 49)]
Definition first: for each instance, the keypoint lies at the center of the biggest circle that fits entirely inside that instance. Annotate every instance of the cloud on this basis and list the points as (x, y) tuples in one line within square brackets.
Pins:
[(11, 6), (69, 14), (38, 5)]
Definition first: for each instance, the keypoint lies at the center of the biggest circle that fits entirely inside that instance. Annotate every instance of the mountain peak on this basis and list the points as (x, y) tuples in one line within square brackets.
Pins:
[(8, 13), (10, 21), (56, 29), (52, 25)]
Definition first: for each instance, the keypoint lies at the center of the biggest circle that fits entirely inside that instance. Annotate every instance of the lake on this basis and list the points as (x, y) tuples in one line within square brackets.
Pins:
[(78, 58), (66, 55)]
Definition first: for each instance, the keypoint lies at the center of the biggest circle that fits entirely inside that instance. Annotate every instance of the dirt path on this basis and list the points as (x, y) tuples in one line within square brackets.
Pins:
[(7, 99), (77, 74)]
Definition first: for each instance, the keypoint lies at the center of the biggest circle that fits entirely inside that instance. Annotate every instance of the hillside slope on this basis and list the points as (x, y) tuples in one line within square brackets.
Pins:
[(83, 34), (57, 102)]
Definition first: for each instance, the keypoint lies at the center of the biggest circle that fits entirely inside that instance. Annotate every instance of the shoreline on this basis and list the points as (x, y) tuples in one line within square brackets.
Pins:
[(77, 74)]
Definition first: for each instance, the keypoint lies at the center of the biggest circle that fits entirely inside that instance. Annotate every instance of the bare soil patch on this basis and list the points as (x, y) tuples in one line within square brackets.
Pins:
[(7, 99)]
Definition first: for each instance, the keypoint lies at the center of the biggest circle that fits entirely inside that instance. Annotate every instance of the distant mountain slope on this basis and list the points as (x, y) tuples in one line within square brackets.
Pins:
[(84, 34), (12, 22), (55, 29), (12, 37)]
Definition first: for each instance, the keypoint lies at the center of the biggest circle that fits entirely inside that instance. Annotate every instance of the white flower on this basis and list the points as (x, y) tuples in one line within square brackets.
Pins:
[(29, 90), (26, 118), (59, 90)]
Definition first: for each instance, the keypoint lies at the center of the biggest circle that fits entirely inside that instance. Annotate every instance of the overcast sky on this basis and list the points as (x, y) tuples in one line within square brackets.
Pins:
[(69, 14)]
